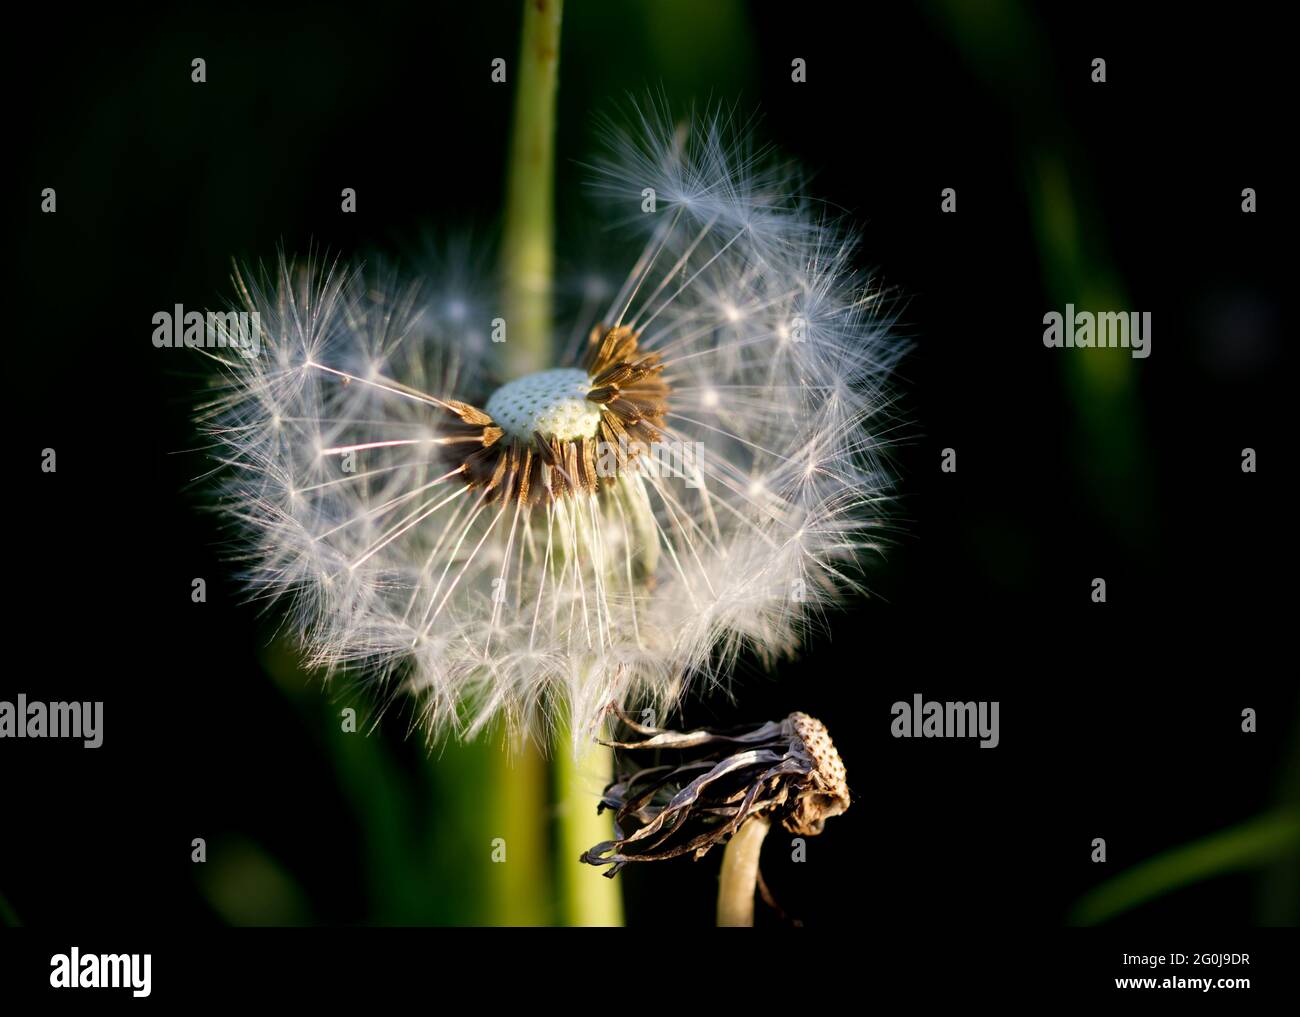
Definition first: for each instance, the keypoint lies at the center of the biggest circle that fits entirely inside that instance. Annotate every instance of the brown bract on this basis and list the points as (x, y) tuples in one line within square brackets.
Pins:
[(788, 771)]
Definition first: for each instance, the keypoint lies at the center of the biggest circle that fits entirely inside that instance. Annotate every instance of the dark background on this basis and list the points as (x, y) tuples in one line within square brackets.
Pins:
[(1118, 720)]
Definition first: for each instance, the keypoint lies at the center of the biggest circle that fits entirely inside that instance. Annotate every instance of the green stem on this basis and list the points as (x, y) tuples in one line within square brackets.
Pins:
[(739, 879), (527, 266), (528, 256), (1252, 843), (587, 897), (516, 781)]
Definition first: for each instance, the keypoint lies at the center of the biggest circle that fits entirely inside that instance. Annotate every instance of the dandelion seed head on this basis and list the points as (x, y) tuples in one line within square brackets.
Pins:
[(695, 477)]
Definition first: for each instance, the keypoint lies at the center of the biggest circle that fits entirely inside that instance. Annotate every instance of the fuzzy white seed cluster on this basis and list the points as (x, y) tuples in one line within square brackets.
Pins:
[(345, 473), (550, 403)]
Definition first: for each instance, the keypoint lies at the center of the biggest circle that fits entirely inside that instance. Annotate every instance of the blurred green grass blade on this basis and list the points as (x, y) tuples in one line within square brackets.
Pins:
[(1002, 42), (247, 887), (8, 916), (1254, 843), (427, 826)]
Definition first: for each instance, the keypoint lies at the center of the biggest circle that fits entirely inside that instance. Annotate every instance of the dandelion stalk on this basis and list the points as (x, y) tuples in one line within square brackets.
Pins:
[(739, 880), (586, 899), (516, 778), (527, 268), (528, 256)]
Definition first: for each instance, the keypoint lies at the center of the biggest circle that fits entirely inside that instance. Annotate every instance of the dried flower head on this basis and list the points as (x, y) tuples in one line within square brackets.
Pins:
[(788, 772), (695, 474)]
